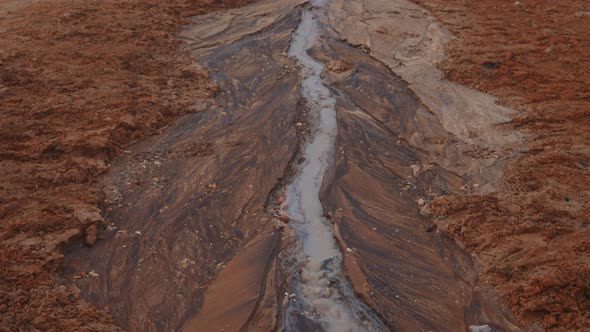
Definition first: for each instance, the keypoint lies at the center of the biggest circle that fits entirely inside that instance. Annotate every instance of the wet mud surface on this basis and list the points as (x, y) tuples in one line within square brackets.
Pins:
[(415, 278), (195, 241), (184, 203)]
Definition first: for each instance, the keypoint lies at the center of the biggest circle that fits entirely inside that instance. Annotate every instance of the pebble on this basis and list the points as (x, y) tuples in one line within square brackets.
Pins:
[(480, 328)]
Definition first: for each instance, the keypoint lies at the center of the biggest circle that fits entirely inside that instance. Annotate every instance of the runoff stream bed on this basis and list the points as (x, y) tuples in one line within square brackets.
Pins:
[(291, 201)]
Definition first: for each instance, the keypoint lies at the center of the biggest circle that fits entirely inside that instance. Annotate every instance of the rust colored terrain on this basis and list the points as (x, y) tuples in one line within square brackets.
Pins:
[(532, 237), (79, 81)]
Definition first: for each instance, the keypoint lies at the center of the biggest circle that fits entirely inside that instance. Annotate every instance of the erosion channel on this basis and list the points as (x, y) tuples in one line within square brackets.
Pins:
[(292, 200)]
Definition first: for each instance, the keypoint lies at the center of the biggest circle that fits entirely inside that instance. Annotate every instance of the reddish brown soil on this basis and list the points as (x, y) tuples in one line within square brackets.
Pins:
[(532, 237), (79, 80)]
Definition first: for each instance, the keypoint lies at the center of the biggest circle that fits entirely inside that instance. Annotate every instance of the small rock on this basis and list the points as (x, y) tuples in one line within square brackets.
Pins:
[(299, 124), (513, 209), (39, 320), (284, 218), (416, 169), (480, 328), (340, 66), (278, 225), (93, 274), (90, 235)]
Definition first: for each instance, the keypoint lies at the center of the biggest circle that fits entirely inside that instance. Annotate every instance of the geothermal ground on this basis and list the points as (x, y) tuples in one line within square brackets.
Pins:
[(287, 165)]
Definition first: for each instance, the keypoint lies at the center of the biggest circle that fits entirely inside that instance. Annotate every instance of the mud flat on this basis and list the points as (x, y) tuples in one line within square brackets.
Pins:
[(357, 138)]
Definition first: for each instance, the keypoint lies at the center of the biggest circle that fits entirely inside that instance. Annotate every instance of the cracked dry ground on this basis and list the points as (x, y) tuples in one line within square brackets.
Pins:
[(176, 231)]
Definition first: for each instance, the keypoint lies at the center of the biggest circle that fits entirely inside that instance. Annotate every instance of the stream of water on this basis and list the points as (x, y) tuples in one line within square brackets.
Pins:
[(323, 294)]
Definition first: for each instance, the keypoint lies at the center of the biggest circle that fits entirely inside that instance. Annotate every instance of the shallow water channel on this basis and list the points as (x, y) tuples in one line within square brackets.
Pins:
[(324, 296)]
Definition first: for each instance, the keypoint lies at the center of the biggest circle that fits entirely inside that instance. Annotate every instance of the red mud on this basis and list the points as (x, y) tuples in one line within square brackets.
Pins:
[(532, 236)]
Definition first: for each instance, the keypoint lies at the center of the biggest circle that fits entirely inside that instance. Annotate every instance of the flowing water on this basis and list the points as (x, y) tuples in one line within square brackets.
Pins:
[(323, 294)]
